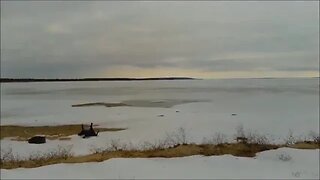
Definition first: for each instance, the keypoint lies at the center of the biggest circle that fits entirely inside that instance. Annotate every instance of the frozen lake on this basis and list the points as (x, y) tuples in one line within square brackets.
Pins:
[(202, 107)]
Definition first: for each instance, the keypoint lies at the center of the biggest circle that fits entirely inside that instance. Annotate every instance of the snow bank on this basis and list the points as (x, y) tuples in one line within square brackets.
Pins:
[(302, 164)]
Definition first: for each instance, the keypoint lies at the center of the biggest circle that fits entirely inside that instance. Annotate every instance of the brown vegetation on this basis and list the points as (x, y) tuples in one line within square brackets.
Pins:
[(305, 145), (52, 132), (174, 145), (64, 156)]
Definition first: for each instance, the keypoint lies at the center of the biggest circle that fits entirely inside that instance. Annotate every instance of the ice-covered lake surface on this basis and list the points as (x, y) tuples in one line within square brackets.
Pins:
[(202, 107), (270, 105)]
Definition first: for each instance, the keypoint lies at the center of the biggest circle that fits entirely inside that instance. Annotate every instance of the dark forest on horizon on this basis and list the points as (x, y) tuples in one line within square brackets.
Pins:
[(89, 79)]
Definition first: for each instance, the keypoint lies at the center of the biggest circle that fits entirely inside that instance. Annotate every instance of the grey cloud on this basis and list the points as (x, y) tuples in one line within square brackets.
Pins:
[(62, 39)]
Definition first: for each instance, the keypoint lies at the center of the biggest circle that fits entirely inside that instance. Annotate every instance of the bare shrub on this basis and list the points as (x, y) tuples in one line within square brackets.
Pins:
[(123, 147), (218, 139), (114, 145), (7, 155), (61, 152), (35, 156), (147, 145), (160, 143), (251, 137), (240, 131), (171, 140), (254, 137), (97, 150), (129, 146), (290, 139), (179, 137), (284, 157), (314, 136), (182, 136), (167, 142)]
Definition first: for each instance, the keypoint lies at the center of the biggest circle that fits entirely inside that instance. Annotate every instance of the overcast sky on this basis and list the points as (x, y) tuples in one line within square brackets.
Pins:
[(148, 39)]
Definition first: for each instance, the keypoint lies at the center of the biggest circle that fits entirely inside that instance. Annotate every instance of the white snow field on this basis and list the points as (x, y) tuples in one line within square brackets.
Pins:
[(268, 106), (301, 164)]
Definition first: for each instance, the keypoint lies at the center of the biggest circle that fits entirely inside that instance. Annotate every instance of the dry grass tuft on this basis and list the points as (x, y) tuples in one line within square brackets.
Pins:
[(174, 145), (52, 132), (239, 149), (64, 156), (305, 145)]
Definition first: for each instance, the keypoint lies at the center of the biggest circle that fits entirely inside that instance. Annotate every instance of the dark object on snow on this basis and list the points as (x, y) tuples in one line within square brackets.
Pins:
[(81, 133), (37, 140), (161, 115), (85, 133), (177, 111), (234, 114)]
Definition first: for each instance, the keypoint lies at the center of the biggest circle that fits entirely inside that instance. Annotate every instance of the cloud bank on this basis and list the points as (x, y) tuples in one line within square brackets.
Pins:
[(148, 39)]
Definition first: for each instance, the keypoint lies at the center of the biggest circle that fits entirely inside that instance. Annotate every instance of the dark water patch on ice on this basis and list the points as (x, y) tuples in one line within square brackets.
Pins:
[(167, 103)]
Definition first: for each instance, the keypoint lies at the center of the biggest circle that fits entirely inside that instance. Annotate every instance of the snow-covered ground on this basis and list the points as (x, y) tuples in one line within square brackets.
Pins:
[(268, 106), (302, 164)]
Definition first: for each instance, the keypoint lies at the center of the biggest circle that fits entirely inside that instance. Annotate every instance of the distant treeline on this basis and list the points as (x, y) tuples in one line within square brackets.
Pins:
[(91, 79)]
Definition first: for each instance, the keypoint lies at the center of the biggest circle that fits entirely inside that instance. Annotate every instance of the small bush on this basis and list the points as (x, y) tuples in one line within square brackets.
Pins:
[(240, 131), (147, 145), (7, 155), (61, 152), (160, 143), (181, 136), (256, 138), (171, 140), (97, 150), (218, 139), (177, 138), (114, 145), (290, 139), (129, 146), (251, 137), (151, 146), (314, 136)]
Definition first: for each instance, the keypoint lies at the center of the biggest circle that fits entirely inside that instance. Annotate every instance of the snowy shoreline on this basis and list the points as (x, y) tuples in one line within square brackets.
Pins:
[(303, 164)]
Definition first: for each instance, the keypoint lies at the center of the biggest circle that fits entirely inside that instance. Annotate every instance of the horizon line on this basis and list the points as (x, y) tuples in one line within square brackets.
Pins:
[(6, 79)]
